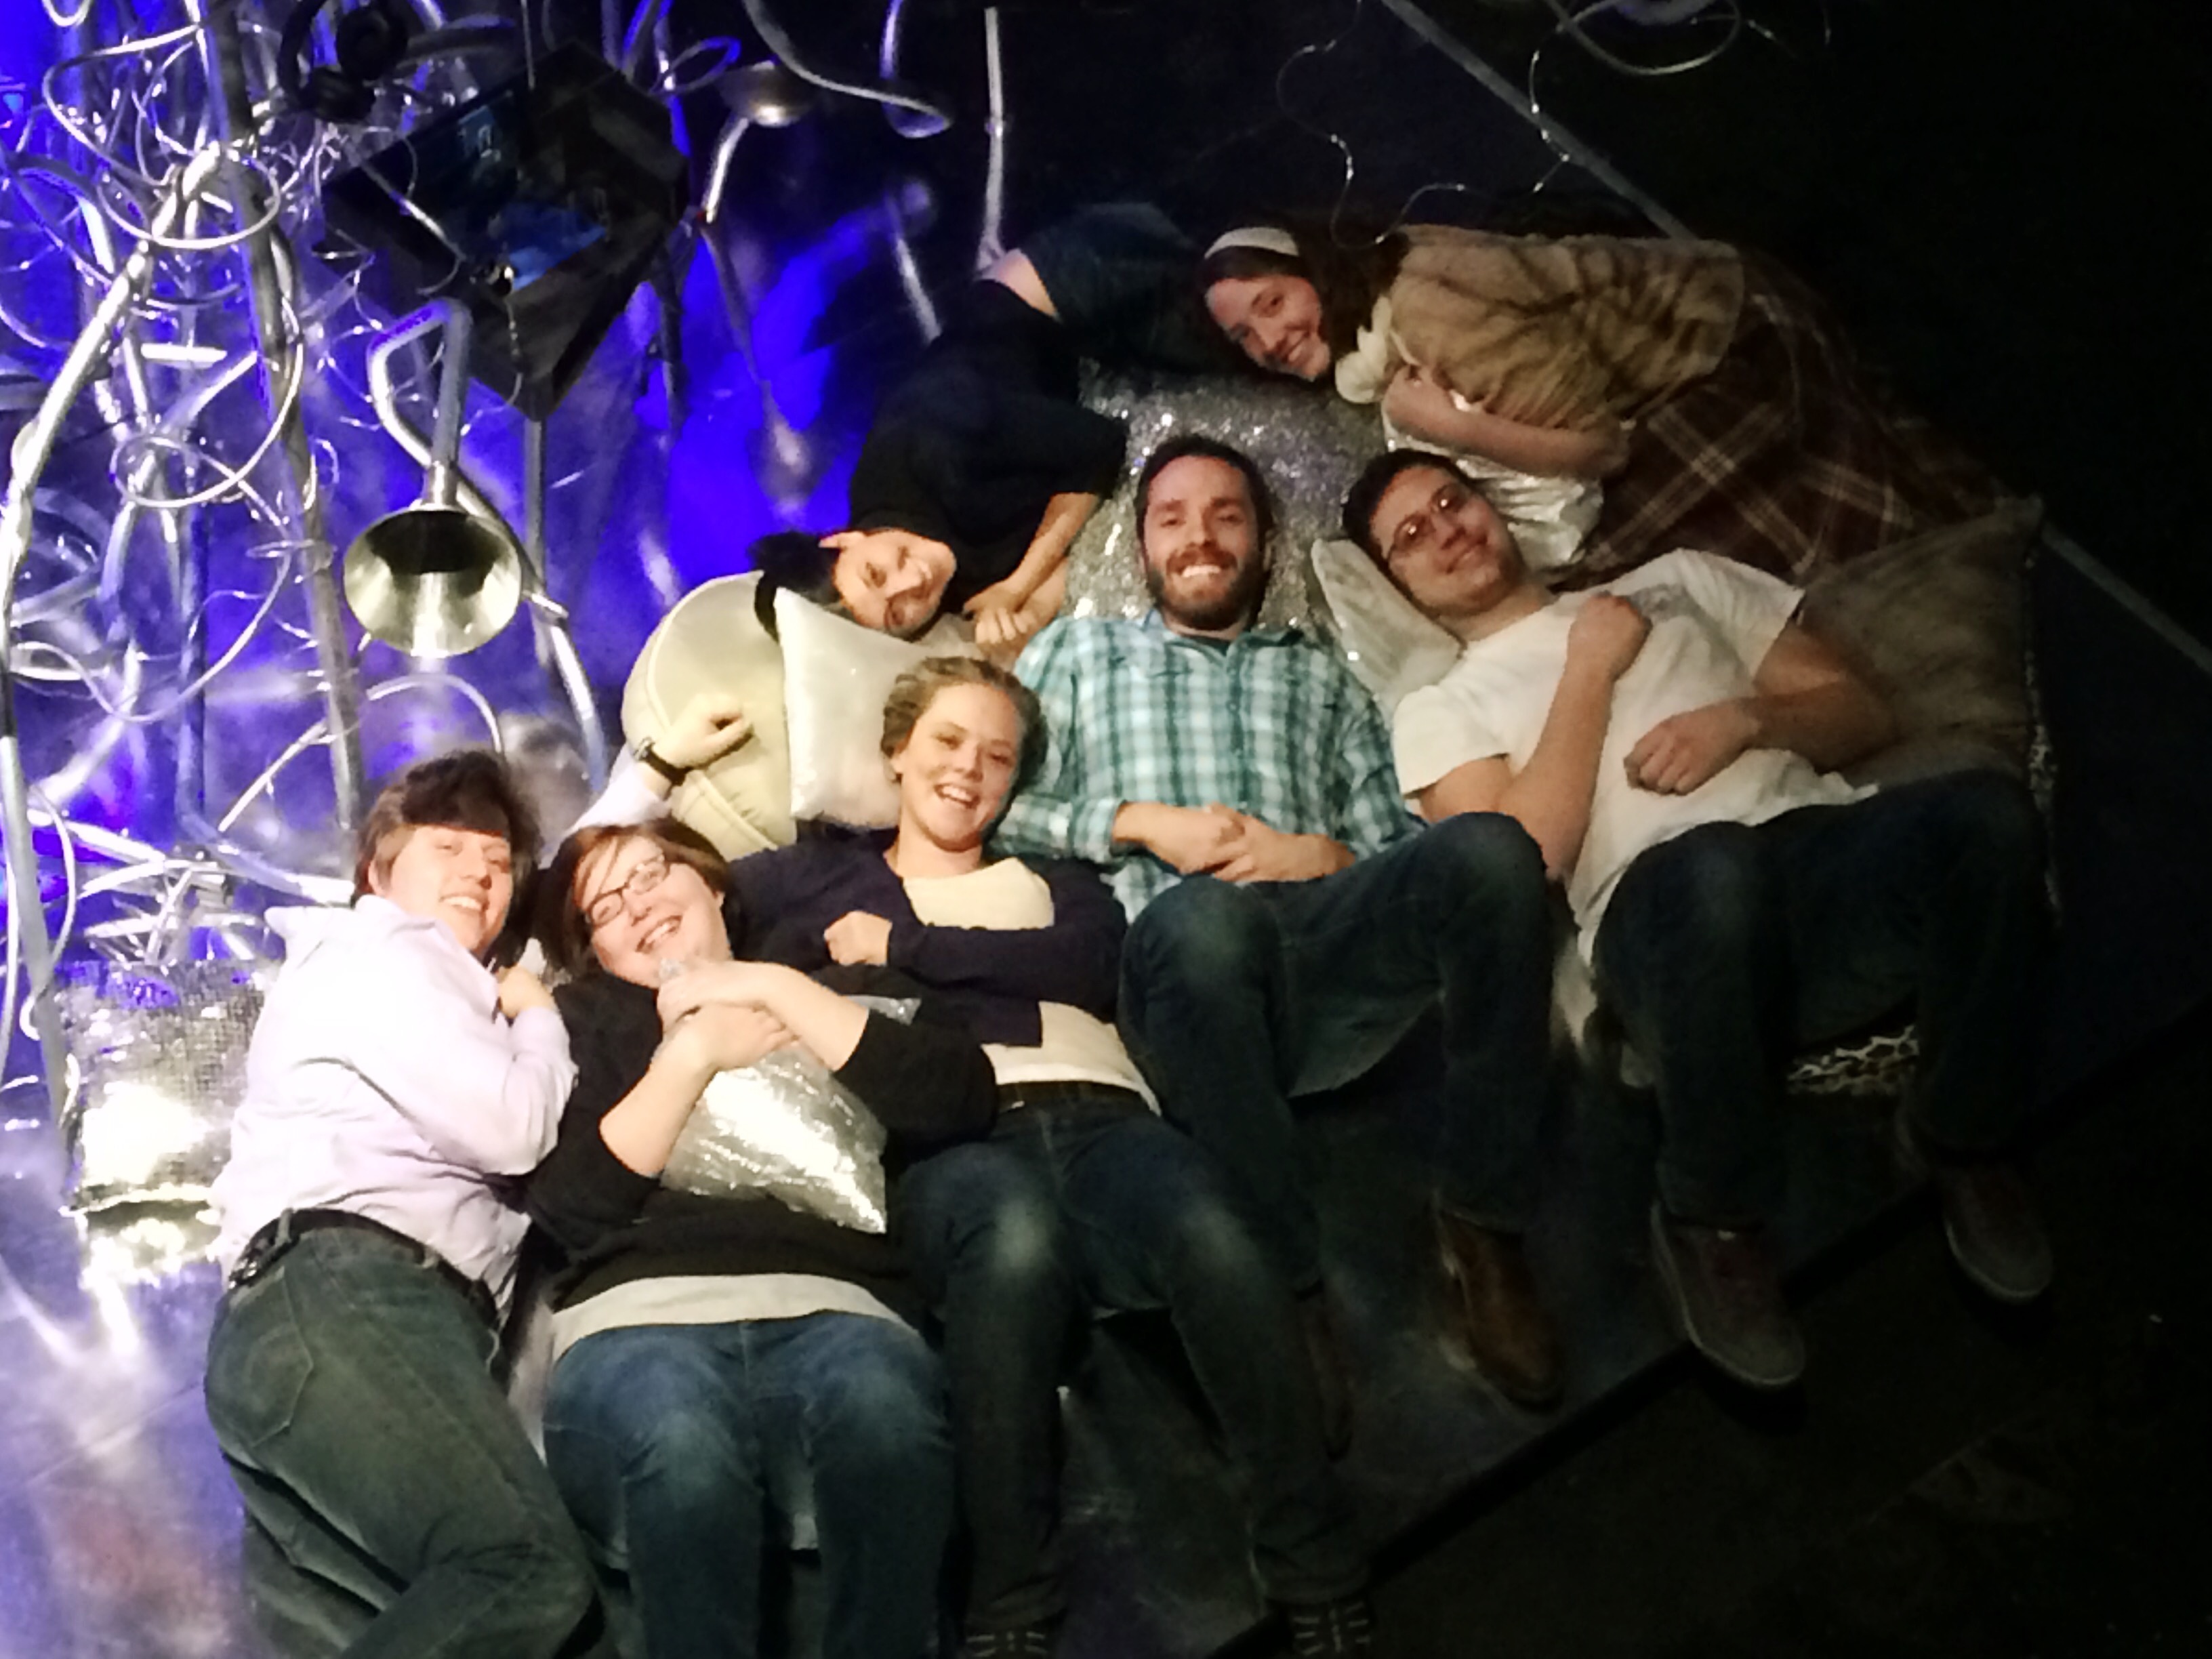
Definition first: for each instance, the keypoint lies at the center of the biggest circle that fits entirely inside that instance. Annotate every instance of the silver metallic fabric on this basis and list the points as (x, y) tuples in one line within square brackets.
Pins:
[(157, 1063), (785, 1128)]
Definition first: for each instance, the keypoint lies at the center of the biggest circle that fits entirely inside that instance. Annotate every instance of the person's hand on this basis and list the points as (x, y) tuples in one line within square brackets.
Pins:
[(1260, 852), (724, 1036), (520, 988), (708, 727), (1683, 751), (858, 936), (1190, 839), (1605, 637), (739, 984), (1000, 598), (1002, 633)]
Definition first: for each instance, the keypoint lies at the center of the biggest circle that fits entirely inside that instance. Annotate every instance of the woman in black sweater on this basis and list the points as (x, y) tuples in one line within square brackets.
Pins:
[(706, 1344)]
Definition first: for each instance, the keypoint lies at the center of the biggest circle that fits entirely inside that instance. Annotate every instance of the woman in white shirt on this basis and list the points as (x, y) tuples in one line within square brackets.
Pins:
[(395, 1088)]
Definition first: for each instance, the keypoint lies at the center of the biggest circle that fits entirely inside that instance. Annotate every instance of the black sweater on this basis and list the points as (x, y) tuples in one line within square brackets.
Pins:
[(780, 902), (608, 1226), (971, 447)]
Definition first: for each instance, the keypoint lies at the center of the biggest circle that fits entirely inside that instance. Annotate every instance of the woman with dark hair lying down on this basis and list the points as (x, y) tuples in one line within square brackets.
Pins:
[(981, 464), (703, 1342), (1707, 387), (396, 1086), (1078, 1197)]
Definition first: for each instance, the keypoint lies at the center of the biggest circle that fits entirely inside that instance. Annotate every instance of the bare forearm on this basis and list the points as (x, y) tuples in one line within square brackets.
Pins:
[(641, 1127), (1551, 796), (826, 1023), (1064, 515), (1830, 725)]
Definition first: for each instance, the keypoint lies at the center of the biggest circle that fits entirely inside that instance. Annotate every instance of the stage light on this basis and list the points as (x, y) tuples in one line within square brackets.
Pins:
[(540, 206)]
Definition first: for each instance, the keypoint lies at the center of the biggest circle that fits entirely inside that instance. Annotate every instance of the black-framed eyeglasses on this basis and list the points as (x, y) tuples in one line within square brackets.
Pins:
[(649, 872), (1418, 532)]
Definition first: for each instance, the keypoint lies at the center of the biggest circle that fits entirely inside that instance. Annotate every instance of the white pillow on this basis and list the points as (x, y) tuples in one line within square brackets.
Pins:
[(1392, 647), (713, 642), (836, 677)]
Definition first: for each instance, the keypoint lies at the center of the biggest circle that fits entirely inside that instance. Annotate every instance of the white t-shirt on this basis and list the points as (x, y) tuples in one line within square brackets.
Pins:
[(1712, 622)]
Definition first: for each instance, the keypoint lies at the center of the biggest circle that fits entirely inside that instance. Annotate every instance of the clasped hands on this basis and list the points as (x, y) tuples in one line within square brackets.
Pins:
[(719, 1015), (1006, 619), (1222, 842)]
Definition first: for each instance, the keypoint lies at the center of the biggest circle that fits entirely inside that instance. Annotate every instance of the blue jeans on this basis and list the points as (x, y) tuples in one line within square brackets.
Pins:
[(1728, 948), (1235, 998), (663, 1439), (388, 1487), (1087, 1201)]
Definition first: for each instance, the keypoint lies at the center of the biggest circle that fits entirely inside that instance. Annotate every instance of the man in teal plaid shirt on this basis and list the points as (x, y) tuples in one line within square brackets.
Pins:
[(1290, 920)]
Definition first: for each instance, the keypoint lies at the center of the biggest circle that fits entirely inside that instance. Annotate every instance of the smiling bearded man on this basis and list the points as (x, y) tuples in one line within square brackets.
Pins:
[(1292, 921)]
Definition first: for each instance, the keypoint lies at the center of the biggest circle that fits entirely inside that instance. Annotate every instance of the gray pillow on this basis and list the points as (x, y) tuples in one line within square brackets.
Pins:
[(1937, 625)]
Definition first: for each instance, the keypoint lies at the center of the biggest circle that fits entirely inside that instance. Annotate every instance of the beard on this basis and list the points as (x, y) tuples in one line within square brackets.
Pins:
[(1238, 602)]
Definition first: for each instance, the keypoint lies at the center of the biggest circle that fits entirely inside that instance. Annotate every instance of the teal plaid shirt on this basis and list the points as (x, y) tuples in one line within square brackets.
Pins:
[(1271, 724)]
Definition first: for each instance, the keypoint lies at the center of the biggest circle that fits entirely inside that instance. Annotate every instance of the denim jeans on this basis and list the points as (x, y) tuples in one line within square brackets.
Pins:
[(1237, 997), (394, 1505), (664, 1439), (1729, 947), (1089, 1201)]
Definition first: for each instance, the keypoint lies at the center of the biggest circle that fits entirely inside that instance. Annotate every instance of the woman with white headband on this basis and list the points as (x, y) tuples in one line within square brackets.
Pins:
[(1705, 385)]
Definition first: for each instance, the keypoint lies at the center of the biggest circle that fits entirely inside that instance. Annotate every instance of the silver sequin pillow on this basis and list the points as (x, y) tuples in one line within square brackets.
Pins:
[(157, 1066), (785, 1128)]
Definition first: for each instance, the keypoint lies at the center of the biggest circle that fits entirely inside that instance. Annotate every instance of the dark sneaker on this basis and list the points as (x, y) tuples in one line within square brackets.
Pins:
[(1327, 1629), (1989, 1220), (1727, 1301), (1332, 1375), (1016, 1642), (1495, 1313)]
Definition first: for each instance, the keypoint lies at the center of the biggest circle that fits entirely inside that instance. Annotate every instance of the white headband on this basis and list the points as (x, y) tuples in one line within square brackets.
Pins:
[(1267, 239)]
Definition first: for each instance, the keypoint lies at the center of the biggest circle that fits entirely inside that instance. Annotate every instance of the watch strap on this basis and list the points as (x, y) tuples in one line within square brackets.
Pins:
[(648, 756)]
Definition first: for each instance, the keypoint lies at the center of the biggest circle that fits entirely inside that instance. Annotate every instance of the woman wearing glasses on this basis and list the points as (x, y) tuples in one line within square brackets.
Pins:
[(704, 1344)]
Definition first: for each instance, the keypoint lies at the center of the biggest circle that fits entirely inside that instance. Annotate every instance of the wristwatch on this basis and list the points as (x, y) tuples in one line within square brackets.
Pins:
[(648, 756)]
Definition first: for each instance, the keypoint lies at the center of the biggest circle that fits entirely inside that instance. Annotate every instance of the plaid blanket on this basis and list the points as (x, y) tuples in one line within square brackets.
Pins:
[(1785, 457)]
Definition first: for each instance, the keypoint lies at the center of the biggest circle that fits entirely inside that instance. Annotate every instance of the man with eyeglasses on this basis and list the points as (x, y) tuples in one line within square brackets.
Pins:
[(1290, 920), (1671, 739)]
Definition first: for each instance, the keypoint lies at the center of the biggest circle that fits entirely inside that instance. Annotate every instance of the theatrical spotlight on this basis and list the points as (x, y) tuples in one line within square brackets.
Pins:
[(539, 205)]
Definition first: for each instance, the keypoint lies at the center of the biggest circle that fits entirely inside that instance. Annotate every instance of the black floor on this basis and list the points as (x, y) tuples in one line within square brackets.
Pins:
[(2003, 196), (1951, 1483)]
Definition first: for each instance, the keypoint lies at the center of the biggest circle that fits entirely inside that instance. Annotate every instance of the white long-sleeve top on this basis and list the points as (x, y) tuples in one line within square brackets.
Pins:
[(383, 1079)]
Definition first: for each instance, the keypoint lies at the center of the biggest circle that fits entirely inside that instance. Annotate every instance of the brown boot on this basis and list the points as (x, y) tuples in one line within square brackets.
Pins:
[(1495, 1312)]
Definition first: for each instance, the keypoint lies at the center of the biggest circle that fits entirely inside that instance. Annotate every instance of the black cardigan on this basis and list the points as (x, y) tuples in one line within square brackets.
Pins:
[(780, 902), (971, 447), (928, 1082)]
